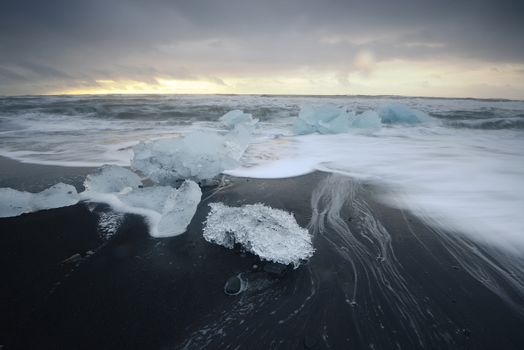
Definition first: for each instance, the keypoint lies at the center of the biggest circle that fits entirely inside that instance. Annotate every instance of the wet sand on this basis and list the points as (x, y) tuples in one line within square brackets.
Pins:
[(380, 278)]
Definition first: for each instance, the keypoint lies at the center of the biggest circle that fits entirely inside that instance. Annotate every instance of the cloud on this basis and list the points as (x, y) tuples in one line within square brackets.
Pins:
[(59, 42)]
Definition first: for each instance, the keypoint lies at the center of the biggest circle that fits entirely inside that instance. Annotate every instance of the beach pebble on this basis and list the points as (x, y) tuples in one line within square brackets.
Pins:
[(233, 286)]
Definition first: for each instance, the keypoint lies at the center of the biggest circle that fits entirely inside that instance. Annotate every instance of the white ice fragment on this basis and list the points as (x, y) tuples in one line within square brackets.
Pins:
[(111, 178), (56, 196), (237, 117), (272, 234), (396, 113), (168, 211), (199, 156), (179, 210), (324, 119), (14, 203)]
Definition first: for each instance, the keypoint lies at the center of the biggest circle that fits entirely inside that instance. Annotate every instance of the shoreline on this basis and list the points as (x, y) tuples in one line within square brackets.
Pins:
[(32, 177), (379, 276)]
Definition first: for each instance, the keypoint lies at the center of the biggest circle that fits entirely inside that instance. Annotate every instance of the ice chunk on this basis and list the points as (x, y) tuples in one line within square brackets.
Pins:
[(324, 119), (167, 210), (14, 203), (179, 210), (153, 198), (272, 234), (396, 113), (199, 156), (111, 178), (237, 117), (56, 196), (367, 121)]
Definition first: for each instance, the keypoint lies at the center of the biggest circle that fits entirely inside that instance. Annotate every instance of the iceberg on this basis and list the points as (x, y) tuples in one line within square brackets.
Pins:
[(237, 117), (111, 178), (367, 121), (324, 119), (272, 234), (199, 156), (396, 113), (14, 203)]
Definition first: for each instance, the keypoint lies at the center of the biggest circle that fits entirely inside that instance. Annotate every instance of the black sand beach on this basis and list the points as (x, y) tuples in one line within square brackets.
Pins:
[(377, 281)]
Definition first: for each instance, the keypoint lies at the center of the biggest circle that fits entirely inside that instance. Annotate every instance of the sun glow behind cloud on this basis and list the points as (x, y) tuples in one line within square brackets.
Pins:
[(364, 75)]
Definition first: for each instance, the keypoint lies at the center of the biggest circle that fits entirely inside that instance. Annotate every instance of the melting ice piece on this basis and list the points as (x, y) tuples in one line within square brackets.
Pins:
[(325, 119), (14, 203), (367, 121), (175, 206), (396, 113), (168, 211), (237, 117), (272, 234), (111, 178), (199, 156)]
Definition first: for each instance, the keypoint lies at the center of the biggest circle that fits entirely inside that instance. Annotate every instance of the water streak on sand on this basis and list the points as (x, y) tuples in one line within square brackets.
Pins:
[(376, 282)]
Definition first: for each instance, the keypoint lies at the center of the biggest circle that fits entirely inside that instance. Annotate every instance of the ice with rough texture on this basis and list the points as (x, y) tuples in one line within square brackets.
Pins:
[(167, 210), (111, 178), (396, 113), (324, 119), (237, 117), (14, 203), (272, 234), (199, 156)]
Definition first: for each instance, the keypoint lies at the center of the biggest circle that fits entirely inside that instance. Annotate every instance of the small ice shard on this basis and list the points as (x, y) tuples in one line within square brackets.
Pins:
[(324, 119), (237, 117), (167, 210), (199, 156), (111, 178), (14, 203), (272, 234), (396, 113), (366, 122)]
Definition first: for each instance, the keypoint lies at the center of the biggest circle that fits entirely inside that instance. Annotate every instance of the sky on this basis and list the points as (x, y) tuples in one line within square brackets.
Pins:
[(403, 47)]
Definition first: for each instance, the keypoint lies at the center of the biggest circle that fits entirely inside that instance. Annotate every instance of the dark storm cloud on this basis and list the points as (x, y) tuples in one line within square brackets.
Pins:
[(70, 43)]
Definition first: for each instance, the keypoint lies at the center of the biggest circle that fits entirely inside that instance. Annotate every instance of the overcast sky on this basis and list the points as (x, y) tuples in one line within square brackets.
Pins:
[(409, 47)]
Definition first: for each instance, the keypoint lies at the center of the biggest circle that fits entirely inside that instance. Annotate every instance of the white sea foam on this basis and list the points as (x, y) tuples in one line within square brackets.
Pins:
[(272, 234), (466, 180)]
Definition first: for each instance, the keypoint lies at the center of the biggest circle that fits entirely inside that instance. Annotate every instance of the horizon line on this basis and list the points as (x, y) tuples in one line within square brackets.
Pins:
[(492, 99)]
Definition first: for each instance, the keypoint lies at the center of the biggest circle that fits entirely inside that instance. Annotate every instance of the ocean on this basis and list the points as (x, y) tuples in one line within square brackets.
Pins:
[(409, 215)]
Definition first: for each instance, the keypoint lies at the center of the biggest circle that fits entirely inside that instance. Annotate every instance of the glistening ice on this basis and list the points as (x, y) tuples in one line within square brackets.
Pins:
[(272, 234)]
